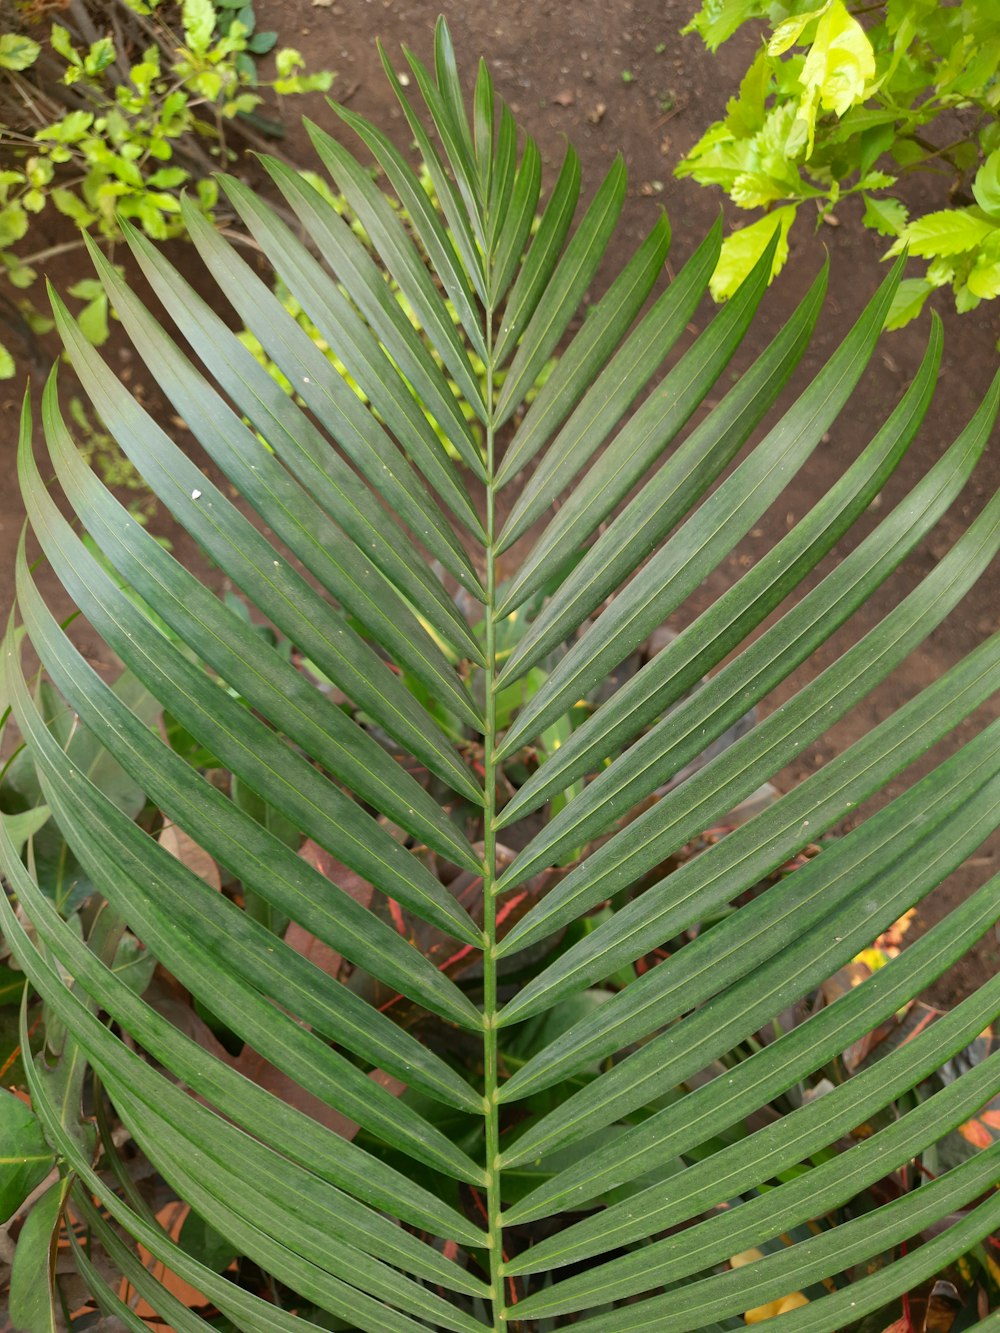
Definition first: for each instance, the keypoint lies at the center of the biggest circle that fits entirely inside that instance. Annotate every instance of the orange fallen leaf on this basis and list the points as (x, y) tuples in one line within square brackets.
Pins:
[(976, 1133), (171, 1218)]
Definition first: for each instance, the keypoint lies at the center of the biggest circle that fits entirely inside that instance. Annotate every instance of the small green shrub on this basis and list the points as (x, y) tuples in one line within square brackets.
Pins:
[(116, 115), (849, 103)]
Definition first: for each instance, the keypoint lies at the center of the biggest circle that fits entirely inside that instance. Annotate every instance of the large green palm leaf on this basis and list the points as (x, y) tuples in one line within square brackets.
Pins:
[(358, 536)]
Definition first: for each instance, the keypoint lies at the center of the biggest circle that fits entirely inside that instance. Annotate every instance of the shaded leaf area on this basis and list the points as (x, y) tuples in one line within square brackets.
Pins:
[(424, 944)]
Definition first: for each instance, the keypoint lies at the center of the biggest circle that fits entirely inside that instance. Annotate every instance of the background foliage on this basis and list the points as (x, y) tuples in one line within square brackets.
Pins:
[(843, 104), (115, 113)]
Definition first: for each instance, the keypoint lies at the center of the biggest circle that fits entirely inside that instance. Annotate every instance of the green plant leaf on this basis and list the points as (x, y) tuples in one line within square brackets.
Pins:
[(836, 1180), (11, 981), (908, 302), (542, 256), (730, 512), (140, 1278), (793, 1056), (749, 1288), (716, 22), (366, 361), (294, 520), (302, 1138), (32, 1293), (818, 953), (296, 608), (205, 1244), (751, 598), (829, 695), (26, 824), (886, 216), (254, 1314), (986, 186), (229, 644), (387, 233), (261, 43), (600, 410), (447, 195), (515, 227), (564, 291), (235, 998), (383, 952), (648, 517), (602, 332), (25, 1157), (292, 436), (424, 219)]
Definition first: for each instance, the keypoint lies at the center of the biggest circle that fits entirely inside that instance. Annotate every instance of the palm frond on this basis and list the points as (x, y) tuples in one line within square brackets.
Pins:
[(427, 383)]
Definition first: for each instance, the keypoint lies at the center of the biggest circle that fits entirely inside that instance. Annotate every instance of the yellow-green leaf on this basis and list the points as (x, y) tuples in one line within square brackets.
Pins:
[(886, 216), (743, 248), (62, 43), (17, 51), (986, 186), (984, 278), (949, 231), (838, 68), (787, 33), (717, 22), (908, 302), (13, 224), (199, 23)]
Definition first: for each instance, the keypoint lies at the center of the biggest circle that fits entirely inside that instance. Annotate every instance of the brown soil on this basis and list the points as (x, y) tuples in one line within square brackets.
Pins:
[(560, 65)]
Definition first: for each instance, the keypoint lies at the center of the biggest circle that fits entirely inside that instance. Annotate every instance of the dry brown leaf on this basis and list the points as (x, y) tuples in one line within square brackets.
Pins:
[(942, 1308), (170, 1000), (335, 871), (304, 942), (183, 847), (166, 997), (265, 1075)]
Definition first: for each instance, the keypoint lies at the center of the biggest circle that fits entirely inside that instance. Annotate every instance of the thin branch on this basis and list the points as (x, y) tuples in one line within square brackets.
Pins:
[(932, 151), (64, 247), (121, 60), (84, 22)]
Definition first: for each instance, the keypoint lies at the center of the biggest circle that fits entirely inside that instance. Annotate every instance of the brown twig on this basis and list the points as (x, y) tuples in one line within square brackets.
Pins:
[(50, 253), (83, 21), (121, 61)]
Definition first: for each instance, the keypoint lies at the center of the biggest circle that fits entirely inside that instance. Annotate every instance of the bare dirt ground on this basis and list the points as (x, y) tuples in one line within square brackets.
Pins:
[(592, 73)]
